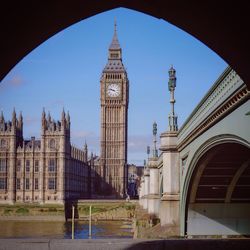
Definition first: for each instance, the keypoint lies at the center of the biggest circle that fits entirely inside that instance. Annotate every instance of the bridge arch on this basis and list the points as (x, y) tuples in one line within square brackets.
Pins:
[(216, 192)]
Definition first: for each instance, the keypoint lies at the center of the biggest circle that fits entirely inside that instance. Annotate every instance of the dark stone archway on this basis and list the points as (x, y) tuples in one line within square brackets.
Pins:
[(218, 24)]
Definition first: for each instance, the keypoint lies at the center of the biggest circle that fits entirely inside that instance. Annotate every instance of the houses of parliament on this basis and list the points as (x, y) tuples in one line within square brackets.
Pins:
[(51, 170)]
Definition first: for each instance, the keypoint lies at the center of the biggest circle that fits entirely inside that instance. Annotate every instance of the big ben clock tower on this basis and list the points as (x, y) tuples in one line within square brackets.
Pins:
[(114, 123)]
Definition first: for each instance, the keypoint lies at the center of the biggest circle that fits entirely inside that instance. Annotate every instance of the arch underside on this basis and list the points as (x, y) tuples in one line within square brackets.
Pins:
[(219, 193)]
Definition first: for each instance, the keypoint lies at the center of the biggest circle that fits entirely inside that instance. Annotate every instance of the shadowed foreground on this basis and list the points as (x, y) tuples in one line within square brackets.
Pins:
[(170, 244)]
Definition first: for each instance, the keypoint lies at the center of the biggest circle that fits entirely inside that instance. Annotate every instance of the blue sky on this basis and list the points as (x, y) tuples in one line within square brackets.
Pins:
[(65, 71)]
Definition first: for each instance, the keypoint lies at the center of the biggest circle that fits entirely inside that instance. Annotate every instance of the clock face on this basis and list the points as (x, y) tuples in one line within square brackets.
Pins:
[(113, 90)]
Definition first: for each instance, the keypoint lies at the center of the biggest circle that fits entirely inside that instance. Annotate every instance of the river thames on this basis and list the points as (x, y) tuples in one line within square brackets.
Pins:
[(63, 230)]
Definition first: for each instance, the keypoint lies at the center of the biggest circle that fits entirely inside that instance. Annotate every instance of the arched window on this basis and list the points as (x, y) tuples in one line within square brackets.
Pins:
[(52, 143), (2, 143), (3, 165), (52, 165)]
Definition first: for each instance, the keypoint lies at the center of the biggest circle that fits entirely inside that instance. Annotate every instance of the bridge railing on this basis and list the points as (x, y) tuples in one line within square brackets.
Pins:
[(228, 83)]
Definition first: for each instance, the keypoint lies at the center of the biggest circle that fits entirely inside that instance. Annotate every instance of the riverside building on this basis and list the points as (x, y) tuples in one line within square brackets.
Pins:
[(48, 170)]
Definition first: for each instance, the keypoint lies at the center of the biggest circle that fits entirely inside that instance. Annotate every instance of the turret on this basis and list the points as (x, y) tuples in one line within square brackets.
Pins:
[(115, 51), (20, 121), (85, 150), (49, 117), (43, 120), (1, 117), (91, 159), (2, 122), (63, 119), (68, 120), (14, 119)]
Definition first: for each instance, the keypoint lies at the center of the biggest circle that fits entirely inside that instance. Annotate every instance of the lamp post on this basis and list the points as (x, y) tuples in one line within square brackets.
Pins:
[(171, 87), (73, 222), (148, 152), (155, 151), (90, 222)]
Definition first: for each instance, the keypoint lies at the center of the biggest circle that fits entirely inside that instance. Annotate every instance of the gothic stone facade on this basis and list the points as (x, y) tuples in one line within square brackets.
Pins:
[(114, 123), (48, 170)]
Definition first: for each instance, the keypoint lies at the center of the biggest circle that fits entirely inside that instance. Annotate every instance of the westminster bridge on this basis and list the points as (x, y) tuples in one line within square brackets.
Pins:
[(200, 183)]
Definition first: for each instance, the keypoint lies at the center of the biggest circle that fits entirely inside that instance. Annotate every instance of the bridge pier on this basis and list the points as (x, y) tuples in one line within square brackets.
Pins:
[(154, 196), (141, 192), (145, 189), (170, 201)]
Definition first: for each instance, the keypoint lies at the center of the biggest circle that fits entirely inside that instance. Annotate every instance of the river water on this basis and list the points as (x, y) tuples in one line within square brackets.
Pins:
[(63, 230)]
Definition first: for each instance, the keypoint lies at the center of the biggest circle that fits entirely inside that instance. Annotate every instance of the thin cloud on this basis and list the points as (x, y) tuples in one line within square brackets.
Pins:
[(137, 147), (15, 80), (82, 134), (138, 143)]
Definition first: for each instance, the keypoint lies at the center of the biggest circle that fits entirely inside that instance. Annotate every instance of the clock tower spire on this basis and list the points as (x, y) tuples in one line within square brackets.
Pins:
[(114, 87)]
